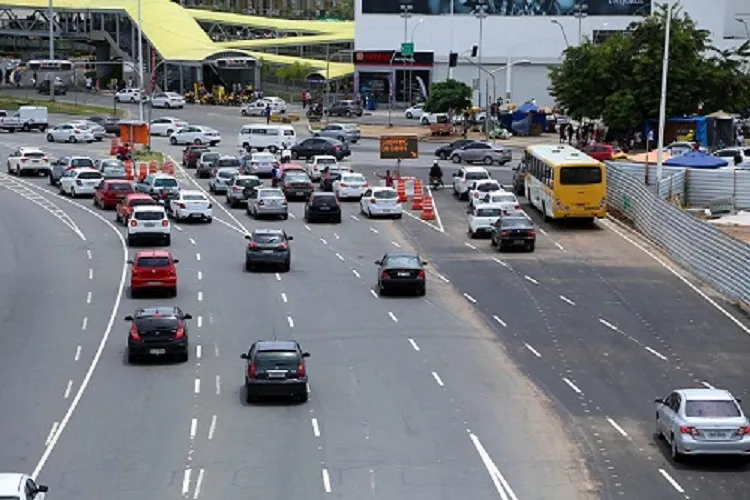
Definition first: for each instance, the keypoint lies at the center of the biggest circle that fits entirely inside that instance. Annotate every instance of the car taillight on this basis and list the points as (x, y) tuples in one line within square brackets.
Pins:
[(517, 207), (282, 246), (134, 333), (373, 200), (210, 205), (689, 429), (421, 275), (742, 431), (344, 185), (498, 151), (384, 275), (503, 233), (337, 148), (365, 185), (301, 370), (236, 188), (310, 184), (276, 164), (24, 160), (181, 205), (133, 223), (251, 371), (180, 332), (164, 223), (76, 131), (531, 232), (476, 194), (44, 158), (252, 244)]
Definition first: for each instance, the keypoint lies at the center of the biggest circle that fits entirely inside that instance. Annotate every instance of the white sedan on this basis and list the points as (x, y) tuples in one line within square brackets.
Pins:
[(131, 95), (318, 163), (503, 199), (193, 134), (80, 181), (166, 125), (350, 185), (168, 100), (192, 205), (381, 201), (415, 111), (70, 132)]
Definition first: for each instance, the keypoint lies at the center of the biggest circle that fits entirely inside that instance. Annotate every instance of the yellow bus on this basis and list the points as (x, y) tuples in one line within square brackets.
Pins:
[(565, 183)]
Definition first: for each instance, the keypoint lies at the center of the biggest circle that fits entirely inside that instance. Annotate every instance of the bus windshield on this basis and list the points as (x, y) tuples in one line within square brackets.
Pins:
[(580, 175)]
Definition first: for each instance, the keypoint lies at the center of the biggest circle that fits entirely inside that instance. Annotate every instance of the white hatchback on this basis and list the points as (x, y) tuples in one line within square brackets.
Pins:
[(317, 164), (149, 222), (166, 125), (195, 134), (131, 95), (193, 205), (80, 181), (415, 111), (482, 218), (350, 185), (381, 201)]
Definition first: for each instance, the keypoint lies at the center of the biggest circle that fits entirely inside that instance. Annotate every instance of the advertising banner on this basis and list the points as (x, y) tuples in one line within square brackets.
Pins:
[(513, 7)]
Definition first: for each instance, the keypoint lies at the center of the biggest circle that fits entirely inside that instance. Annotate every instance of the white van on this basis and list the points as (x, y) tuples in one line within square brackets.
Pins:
[(32, 117), (272, 137)]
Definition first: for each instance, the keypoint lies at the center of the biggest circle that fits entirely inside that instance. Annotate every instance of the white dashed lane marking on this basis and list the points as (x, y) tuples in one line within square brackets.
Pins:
[(617, 427), (372, 292), (199, 484), (393, 317), (200, 296), (414, 344), (499, 320), (200, 321), (218, 384), (530, 279), (707, 385), (567, 300), (198, 351), (335, 235), (212, 428), (671, 481), (502, 263), (197, 386), (88, 254), (78, 354), (198, 256), (85, 323), (339, 256), (395, 244), (356, 273), (290, 321), (326, 481), (88, 298), (192, 241), (470, 245), (470, 298), (308, 227), (572, 386), (186, 482), (532, 350), (200, 275), (278, 277), (193, 428), (283, 298), (323, 241), (68, 389), (374, 230), (443, 278), (559, 246), (91, 274), (354, 217), (52, 431), (316, 428), (438, 379)]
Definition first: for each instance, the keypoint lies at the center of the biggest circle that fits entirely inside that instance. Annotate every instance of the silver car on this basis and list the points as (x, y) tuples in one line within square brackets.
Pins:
[(96, 129), (267, 202), (481, 152), (702, 422), (237, 186), (344, 132), (222, 178)]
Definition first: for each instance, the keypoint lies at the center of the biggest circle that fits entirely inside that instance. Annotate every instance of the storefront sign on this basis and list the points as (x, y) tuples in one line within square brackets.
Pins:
[(386, 57)]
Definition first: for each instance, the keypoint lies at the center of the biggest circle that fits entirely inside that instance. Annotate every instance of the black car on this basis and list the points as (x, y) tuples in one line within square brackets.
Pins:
[(60, 88), (329, 175), (268, 246), (519, 179), (275, 368), (320, 146), (158, 331), (111, 124), (516, 231), (401, 272), (323, 206), (444, 151)]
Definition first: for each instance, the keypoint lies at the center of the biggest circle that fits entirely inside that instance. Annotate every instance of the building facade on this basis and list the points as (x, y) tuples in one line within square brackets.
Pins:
[(519, 39)]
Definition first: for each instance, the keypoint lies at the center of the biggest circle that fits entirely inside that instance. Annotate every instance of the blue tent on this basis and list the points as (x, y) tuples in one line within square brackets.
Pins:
[(696, 159), (526, 107)]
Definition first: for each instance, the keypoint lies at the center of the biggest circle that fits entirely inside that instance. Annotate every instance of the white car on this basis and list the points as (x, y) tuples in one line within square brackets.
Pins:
[(482, 218), (168, 100), (729, 154), (478, 189), (681, 147), (195, 134), (258, 108), (149, 222), (131, 95), (80, 181), (97, 130), (350, 185), (70, 132), (191, 205), (261, 164), (317, 164), (166, 125), (415, 111), (381, 201), (507, 201), (464, 177), (21, 486), (430, 118), (25, 160)]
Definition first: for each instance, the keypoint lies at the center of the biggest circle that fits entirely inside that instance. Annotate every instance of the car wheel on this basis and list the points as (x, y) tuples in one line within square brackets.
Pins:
[(18, 170), (273, 149), (409, 115), (167, 105), (287, 266), (295, 155), (132, 358), (425, 121), (488, 160), (456, 159), (73, 192), (50, 138), (243, 112), (173, 141), (348, 113), (131, 241), (167, 240), (341, 138), (676, 455), (197, 141), (169, 132)]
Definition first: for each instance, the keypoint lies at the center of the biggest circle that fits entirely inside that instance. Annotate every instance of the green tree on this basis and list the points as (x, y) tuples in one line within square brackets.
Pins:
[(450, 95), (294, 72), (619, 80), (343, 9)]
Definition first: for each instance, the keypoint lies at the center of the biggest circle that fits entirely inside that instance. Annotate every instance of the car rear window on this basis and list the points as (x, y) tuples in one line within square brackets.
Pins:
[(168, 183), (353, 178), (489, 212), (476, 176), (120, 186), (90, 175), (112, 164), (486, 188), (711, 409), (114, 170), (324, 201), (326, 161), (268, 238), (386, 195), (81, 162), (233, 162), (152, 323), (248, 182), (140, 201), (580, 175), (226, 174), (273, 359), (516, 223), (503, 198), (210, 157), (153, 262), (403, 261), (263, 158), (34, 154), (193, 197), (149, 215), (268, 193)]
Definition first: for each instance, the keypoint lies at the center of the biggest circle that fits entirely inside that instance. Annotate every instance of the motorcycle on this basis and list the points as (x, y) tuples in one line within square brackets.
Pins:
[(436, 183)]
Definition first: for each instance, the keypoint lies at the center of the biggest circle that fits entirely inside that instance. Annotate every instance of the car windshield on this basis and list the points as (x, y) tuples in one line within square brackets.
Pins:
[(165, 182), (385, 195), (353, 178), (502, 198), (248, 182), (193, 197), (153, 262), (489, 212), (711, 409), (140, 201), (270, 193), (114, 170), (120, 186), (149, 215), (324, 201), (90, 175), (476, 176), (580, 175), (403, 261), (81, 162), (267, 238), (230, 162), (516, 223), (326, 161), (265, 360), (488, 186), (226, 174), (210, 156)]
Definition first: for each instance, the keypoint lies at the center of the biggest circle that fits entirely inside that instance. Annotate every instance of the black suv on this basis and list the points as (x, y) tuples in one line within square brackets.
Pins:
[(275, 368), (158, 331), (345, 108), (323, 206)]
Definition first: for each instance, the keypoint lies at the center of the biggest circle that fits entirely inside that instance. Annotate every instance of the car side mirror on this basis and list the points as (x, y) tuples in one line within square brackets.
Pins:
[(128, 318), (248, 237), (243, 355), (129, 261), (187, 316), (378, 262), (175, 261), (424, 263), (289, 238), (41, 488), (659, 401), (305, 354)]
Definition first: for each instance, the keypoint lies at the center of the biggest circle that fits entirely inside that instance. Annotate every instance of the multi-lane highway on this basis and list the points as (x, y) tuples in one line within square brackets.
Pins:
[(527, 376)]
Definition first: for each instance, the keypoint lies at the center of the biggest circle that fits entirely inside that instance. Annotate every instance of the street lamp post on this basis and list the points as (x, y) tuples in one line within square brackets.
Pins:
[(140, 60), (411, 70), (562, 28), (509, 74), (52, 49), (747, 30), (480, 11), (663, 100), (407, 6), (581, 12), (328, 78)]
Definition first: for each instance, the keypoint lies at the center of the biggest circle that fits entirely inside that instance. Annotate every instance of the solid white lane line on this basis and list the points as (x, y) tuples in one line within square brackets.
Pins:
[(212, 428), (671, 481), (85, 322), (354, 271), (186, 482), (326, 481), (88, 298), (354, 217), (395, 244), (607, 324), (414, 344), (231, 226), (499, 320), (559, 246), (200, 296), (192, 241), (308, 227), (200, 321), (617, 427), (572, 386), (198, 256), (91, 274), (533, 351), (193, 428), (200, 275), (393, 317), (470, 298), (323, 241), (372, 292), (443, 278), (339, 256), (656, 353), (500, 262), (316, 429), (498, 480), (198, 351), (283, 298), (438, 379), (374, 230), (278, 277), (68, 388), (565, 299), (470, 245), (707, 385), (197, 386), (218, 384), (335, 235), (52, 432), (199, 484), (78, 354), (290, 321), (530, 279), (543, 231), (88, 254)]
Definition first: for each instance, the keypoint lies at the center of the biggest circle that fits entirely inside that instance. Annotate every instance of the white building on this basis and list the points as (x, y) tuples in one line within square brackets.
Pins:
[(522, 32)]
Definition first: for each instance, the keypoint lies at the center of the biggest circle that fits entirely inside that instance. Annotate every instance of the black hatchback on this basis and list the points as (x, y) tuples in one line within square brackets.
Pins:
[(444, 152), (401, 272), (158, 332), (275, 368), (513, 232), (320, 146), (323, 206)]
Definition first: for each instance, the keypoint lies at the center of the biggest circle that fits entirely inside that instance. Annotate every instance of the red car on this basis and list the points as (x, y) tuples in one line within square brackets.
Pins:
[(110, 192), (125, 206), (191, 155), (601, 152), (153, 270)]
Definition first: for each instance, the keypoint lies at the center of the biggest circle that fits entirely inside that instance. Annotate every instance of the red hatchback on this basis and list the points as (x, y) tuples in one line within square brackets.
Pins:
[(153, 270), (125, 206), (601, 152), (110, 192)]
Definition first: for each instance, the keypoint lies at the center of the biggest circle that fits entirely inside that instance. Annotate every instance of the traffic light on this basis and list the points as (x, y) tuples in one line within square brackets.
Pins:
[(49, 65), (453, 59), (474, 50), (235, 63)]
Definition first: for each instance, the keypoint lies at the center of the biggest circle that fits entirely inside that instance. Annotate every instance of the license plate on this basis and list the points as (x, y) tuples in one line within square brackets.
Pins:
[(158, 352), (299, 193), (325, 209), (154, 283), (519, 242), (120, 196), (404, 274), (276, 374), (716, 434), (267, 251), (150, 224)]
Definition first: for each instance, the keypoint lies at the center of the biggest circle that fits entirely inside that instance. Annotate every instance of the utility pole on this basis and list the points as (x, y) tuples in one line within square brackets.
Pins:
[(480, 11), (663, 100), (52, 50), (407, 6), (581, 12), (140, 61)]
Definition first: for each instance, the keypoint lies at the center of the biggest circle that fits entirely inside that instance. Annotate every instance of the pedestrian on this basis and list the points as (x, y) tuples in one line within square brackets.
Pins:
[(268, 114), (740, 139), (304, 100), (562, 133), (89, 84), (388, 178)]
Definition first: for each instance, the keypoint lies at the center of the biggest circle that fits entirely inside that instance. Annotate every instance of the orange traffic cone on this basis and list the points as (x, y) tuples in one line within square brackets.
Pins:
[(401, 190), (168, 168), (129, 170), (428, 210), (153, 167), (142, 171), (418, 199)]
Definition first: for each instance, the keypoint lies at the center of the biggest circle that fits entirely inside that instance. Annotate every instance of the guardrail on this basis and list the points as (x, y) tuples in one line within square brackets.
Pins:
[(713, 256)]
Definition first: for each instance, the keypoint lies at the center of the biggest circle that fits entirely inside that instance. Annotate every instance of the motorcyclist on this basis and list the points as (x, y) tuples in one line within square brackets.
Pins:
[(436, 173), (123, 152)]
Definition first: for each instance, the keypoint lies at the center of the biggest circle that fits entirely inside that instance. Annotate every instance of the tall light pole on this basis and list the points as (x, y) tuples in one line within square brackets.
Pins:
[(407, 6), (581, 12), (480, 11), (140, 61), (52, 50), (509, 74), (562, 28), (663, 100), (747, 30), (328, 77), (411, 70)]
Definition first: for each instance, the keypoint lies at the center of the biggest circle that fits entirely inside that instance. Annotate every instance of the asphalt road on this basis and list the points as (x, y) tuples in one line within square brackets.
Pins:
[(410, 397)]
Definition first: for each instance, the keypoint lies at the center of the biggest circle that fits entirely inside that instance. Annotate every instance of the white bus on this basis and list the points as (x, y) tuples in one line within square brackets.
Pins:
[(271, 137)]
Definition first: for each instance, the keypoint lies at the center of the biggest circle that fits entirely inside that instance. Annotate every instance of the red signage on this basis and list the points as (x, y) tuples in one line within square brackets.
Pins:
[(385, 57)]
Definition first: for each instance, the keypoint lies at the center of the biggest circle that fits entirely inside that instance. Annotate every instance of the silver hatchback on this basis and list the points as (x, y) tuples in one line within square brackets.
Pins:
[(221, 180), (344, 132), (267, 202), (236, 188), (481, 152)]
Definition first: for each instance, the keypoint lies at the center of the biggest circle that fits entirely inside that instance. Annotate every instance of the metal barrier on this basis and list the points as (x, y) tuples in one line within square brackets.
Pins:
[(713, 256), (720, 206)]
